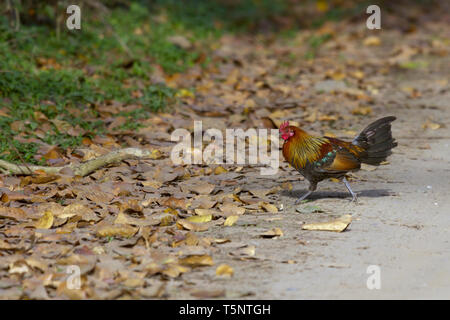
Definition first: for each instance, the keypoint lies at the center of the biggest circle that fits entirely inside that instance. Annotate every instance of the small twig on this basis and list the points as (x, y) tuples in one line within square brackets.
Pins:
[(17, 18)]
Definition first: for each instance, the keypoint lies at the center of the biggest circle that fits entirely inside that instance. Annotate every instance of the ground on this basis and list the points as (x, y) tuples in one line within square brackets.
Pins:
[(133, 228)]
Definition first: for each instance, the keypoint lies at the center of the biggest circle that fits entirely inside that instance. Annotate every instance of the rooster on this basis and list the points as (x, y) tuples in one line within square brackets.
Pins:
[(321, 158)]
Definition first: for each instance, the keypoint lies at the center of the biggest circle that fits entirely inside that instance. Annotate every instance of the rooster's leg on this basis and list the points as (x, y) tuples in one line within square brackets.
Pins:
[(354, 195), (312, 187), (303, 197)]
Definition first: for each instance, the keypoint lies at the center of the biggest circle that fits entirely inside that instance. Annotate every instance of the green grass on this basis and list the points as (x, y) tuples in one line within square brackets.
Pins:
[(65, 76)]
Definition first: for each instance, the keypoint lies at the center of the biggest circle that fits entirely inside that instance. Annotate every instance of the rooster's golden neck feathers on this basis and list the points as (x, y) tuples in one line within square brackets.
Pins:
[(300, 148)]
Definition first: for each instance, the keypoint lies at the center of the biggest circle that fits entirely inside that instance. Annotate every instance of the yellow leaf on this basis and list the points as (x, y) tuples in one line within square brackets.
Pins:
[(152, 183), (188, 225), (182, 93), (230, 221), (197, 261), (372, 41), (224, 270), (171, 211), (156, 154), (112, 231), (200, 219), (269, 207), (337, 225), (191, 239), (322, 5), (46, 221), (174, 271), (220, 170), (431, 125)]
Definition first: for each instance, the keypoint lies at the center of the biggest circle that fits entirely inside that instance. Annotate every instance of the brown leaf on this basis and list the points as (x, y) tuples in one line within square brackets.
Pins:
[(208, 294), (77, 209), (204, 212), (220, 170), (152, 183), (431, 125), (185, 224), (125, 231), (174, 203), (203, 202), (12, 213), (173, 270), (269, 207)]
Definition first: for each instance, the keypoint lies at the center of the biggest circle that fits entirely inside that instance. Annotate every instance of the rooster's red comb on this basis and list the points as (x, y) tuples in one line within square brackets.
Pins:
[(284, 125)]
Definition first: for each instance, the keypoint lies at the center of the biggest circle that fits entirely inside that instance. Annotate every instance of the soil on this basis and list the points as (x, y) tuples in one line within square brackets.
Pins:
[(400, 223)]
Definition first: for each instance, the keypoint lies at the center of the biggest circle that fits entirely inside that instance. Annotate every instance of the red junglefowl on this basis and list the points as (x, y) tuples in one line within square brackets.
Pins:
[(321, 158)]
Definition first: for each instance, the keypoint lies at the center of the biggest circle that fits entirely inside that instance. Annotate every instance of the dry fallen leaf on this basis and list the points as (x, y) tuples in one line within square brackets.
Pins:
[(200, 219), (224, 270), (12, 213), (188, 225), (152, 183), (337, 225), (362, 111), (269, 207), (273, 233), (203, 212), (46, 221), (208, 294), (231, 209), (220, 170), (173, 270), (125, 231), (431, 125), (197, 261), (204, 188), (368, 167), (230, 221), (247, 251)]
